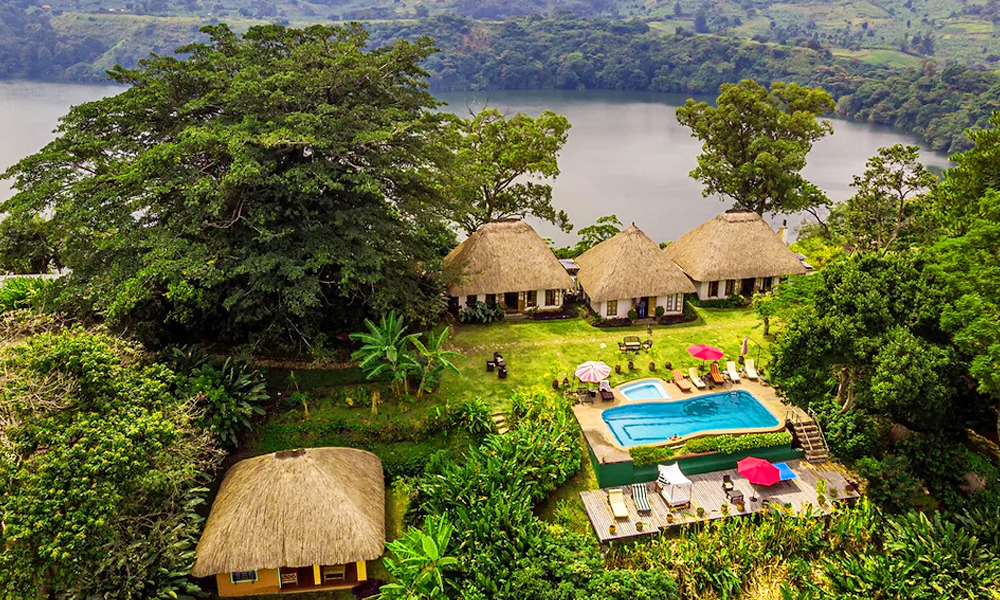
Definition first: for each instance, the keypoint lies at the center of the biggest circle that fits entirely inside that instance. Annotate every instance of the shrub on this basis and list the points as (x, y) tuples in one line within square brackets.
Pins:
[(632, 314), (650, 455), (891, 484), (480, 312), (229, 394), (728, 444), (734, 301), (25, 292), (660, 311)]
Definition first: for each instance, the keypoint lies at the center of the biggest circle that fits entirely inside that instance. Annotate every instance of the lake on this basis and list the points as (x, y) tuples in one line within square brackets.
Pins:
[(626, 152)]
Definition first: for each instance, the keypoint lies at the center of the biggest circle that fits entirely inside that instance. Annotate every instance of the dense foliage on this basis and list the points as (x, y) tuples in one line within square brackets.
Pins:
[(503, 549), (100, 469), (728, 444), (265, 208)]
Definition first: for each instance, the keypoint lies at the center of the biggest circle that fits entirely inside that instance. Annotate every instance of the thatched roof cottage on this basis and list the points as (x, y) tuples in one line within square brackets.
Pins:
[(295, 521), (736, 252), (629, 270), (506, 263)]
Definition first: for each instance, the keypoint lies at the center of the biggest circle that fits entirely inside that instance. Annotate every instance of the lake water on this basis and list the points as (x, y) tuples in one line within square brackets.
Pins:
[(626, 152)]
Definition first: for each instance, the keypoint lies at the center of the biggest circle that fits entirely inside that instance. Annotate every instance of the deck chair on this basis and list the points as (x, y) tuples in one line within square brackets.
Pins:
[(735, 496), (606, 394), (734, 375), (583, 394), (716, 374), (640, 498), (616, 498), (751, 369), (682, 383), (693, 376)]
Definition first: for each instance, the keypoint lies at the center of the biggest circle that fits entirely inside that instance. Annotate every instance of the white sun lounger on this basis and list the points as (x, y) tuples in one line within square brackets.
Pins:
[(751, 369), (693, 376), (732, 372)]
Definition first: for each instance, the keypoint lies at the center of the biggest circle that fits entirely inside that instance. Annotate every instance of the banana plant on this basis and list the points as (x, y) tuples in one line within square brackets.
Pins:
[(435, 358), (384, 351)]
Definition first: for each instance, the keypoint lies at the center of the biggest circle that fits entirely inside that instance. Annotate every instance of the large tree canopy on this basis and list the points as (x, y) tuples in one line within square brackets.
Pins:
[(267, 187), (755, 143)]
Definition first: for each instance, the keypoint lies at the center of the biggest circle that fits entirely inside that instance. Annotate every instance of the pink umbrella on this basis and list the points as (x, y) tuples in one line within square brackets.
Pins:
[(745, 348), (705, 352), (592, 371), (758, 471)]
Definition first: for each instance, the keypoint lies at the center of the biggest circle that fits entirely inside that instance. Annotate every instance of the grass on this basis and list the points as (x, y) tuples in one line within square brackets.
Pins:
[(881, 57), (536, 352)]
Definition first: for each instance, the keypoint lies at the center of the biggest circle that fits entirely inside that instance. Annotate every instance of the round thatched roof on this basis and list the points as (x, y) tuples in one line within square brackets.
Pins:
[(738, 244), (504, 256), (296, 508), (629, 265)]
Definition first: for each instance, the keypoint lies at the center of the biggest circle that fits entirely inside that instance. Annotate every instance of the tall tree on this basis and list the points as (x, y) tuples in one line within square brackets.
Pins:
[(881, 210), (495, 158), (264, 189), (755, 142)]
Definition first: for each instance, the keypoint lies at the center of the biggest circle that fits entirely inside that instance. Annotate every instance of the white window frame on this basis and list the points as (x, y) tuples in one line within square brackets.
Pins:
[(607, 308)]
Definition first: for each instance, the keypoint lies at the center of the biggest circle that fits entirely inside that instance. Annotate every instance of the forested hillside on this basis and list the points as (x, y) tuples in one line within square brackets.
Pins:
[(854, 50)]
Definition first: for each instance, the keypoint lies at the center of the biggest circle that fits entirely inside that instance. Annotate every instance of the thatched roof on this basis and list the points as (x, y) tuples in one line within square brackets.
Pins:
[(296, 508), (733, 245), (504, 256), (629, 265)]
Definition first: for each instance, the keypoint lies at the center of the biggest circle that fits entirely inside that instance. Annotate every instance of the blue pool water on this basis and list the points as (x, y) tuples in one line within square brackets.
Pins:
[(651, 422), (644, 390)]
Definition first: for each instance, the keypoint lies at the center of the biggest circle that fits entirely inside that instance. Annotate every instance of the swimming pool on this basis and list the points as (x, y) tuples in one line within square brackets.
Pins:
[(650, 389), (651, 422)]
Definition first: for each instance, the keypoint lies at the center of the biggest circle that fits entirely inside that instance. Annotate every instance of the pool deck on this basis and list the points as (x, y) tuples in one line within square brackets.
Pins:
[(707, 493), (607, 448)]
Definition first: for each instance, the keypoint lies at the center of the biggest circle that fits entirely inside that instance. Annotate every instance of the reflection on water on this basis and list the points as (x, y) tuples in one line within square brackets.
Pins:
[(626, 153)]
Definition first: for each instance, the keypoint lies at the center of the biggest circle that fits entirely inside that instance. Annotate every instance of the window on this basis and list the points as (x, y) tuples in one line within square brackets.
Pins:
[(765, 284), (668, 306), (550, 297), (243, 576), (612, 308), (713, 289), (730, 287), (491, 298), (470, 300), (530, 298)]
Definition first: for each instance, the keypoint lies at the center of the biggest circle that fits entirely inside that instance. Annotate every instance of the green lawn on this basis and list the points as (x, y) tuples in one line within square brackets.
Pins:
[(539, 351)]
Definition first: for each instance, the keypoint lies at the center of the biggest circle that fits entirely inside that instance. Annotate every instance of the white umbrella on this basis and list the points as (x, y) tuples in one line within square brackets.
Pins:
[(592, 371)]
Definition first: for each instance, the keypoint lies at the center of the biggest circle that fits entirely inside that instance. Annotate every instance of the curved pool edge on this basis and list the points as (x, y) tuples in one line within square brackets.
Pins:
[(765, 403)]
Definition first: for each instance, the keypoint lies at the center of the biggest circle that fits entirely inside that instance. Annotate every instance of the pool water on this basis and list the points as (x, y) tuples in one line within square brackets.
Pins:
[(644, 390), (651, 422)]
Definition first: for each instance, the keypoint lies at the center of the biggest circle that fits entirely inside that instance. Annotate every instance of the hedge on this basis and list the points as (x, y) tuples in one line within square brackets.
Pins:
[(727, 444), (650, 455)]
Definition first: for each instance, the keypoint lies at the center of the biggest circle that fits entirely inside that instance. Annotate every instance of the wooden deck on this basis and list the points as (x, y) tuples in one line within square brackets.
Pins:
[(706, 492)]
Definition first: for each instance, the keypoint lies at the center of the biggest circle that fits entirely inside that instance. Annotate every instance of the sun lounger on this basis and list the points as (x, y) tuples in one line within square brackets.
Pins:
[(716, 374), (751, 369), (583, 394), (640, 498), (682, 383), (732, 372), (693, 376), (606, 394), (616, 498)]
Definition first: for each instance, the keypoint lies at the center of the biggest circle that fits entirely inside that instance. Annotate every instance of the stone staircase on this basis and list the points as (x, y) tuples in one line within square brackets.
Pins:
[(500, 421), (810, 436)]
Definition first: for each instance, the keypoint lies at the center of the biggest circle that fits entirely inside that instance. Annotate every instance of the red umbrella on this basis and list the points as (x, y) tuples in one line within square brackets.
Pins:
[(705, 352), (758, 472), (592, 371)]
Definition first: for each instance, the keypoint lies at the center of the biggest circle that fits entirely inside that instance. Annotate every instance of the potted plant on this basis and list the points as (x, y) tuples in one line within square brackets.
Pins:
[(631, 365), (652, 359), (612, 528), (639, 525), (740, 506), (668, 365), (566, 382), (670, 517), (555, 384), (724, 509), (701, 512), (618, 369), (821, 499)]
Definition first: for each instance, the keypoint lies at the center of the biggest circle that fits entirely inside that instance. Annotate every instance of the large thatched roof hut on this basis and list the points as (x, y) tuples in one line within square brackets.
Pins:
[(298, 520), (629, 270), (736, 252), (507, 263)]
